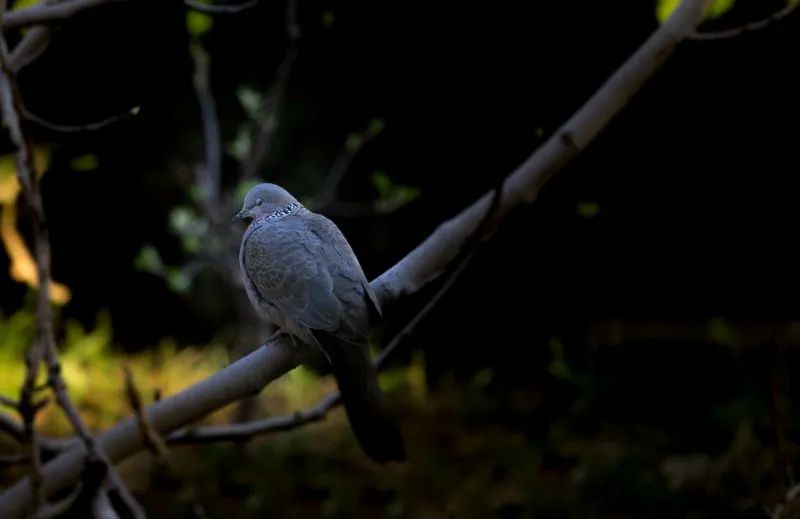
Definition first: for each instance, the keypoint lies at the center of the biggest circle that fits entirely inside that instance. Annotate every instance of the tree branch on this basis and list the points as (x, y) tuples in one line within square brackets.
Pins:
[(750, 27), (220, 8), (210, 174), (44, 344), (251, 373), (32, 45), (42, 14)]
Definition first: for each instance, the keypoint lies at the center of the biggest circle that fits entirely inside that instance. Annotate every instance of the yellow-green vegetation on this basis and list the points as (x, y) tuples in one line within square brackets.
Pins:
[(93, 370)]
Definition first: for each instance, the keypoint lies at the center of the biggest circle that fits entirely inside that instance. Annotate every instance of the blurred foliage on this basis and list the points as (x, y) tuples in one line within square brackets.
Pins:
[(391, 196), (572, 444), (23, 267), (198, 23)]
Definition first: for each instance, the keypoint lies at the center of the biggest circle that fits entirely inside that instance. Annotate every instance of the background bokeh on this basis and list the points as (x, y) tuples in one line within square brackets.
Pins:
[(623, 347)]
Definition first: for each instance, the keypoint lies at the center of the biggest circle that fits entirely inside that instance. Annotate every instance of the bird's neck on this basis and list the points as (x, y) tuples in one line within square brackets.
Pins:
[(282, 212)]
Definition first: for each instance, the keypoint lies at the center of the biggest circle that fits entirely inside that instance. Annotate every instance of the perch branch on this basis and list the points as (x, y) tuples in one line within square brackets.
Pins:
[(246, 431), (251, 373)]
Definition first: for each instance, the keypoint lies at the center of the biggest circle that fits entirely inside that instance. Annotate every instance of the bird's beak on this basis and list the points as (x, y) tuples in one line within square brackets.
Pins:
[(241, 215)]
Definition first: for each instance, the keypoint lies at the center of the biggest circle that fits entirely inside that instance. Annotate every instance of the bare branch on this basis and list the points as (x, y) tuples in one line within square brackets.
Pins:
[(41, 14), (44, 345), (211, 172), (48, 445), (220, 8), (750, 27), (59, 508), (251, 373), (328, 193), (265, 133), (153, 441), (32, 45), (75, 128)]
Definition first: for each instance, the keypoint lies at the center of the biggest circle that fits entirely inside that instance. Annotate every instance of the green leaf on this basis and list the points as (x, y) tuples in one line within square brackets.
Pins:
[(241, 144), (382, 183), (588, 209), (251, 100), (87, 162), (391, 196), (354, 142), (22, 4), (149, 260), (178, 280), (720, 7), (664, 8), (375, 127), (198, 23)]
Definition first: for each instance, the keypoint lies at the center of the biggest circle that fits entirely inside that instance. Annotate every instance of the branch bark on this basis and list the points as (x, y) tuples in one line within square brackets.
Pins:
[(250, 374), (48, 13)]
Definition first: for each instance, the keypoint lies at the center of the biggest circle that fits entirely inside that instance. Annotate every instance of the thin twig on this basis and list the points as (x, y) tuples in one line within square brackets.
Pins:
[(264, 134), (10, 105), (210, 173), (75, 128), (220, 8), (155, 443), (749, 27), (328, 193), (152, 439), (48, 445), (44, 345)]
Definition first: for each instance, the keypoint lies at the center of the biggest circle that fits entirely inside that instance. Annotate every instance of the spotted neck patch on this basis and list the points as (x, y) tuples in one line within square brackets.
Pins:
[(283, 211)]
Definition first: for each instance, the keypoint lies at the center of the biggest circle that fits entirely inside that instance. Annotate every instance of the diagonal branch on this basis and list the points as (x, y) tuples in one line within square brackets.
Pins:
[(251, 373), (48, 13)]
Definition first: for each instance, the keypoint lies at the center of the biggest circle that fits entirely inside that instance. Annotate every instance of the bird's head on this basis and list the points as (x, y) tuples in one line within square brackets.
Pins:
[(262, 200)]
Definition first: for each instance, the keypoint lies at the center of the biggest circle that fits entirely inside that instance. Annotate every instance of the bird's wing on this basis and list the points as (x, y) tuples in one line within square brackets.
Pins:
[(288, 266), (349, 283)]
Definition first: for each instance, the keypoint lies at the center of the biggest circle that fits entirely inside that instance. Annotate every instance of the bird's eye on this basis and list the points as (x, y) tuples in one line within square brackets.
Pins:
[(259, 201)]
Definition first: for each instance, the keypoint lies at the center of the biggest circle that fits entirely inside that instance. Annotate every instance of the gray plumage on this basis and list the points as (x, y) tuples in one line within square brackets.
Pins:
[(301, 274)]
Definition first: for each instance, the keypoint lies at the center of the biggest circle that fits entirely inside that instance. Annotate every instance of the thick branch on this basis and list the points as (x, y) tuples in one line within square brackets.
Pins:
[(250, 374), (48, 13)]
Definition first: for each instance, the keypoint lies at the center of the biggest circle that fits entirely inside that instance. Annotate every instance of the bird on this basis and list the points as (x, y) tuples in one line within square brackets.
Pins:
[(302, 275)]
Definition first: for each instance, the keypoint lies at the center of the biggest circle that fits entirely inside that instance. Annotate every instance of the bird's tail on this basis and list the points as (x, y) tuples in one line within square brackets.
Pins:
[(376, 432)]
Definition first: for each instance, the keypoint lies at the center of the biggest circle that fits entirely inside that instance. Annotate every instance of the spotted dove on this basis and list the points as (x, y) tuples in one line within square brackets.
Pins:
[(302, 275)]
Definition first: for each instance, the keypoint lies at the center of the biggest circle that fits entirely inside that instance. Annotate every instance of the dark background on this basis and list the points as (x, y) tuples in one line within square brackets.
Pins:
[(696, 183)]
